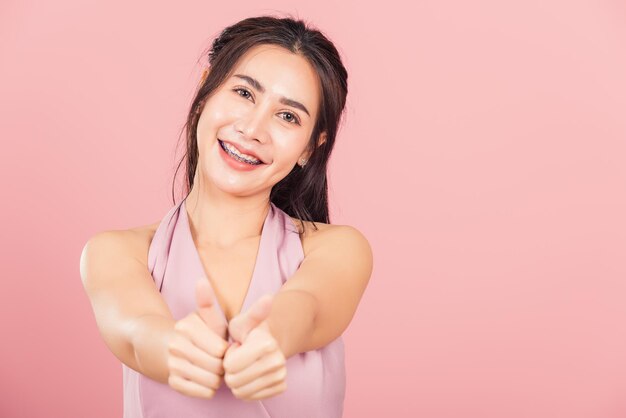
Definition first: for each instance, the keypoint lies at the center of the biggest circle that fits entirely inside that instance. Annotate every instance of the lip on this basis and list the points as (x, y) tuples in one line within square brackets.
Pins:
[(235, 164), (243, 150)]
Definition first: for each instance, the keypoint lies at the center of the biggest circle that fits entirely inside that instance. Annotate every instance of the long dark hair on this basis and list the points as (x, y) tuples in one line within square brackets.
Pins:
[(303, 193)]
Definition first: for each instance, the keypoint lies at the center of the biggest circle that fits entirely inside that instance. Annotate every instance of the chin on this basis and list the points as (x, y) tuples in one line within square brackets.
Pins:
[(230, 183), (217, 173)]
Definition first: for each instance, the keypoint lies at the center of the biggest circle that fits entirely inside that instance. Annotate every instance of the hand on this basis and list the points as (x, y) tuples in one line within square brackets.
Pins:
[(196, 351), (255, 367)]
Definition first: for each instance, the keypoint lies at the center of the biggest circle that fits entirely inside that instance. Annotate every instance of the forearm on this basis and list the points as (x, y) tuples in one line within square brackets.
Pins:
[(292, 321), (149, 339)]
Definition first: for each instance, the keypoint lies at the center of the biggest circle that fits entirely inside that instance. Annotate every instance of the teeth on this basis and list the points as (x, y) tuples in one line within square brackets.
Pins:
[(239, 154), (236, 151)]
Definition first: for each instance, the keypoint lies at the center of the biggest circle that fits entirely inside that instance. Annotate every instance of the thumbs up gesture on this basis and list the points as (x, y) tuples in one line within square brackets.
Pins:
[(197, 348), (255, 367)]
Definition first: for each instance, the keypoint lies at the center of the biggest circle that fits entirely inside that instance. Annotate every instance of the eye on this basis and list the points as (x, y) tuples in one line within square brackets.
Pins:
[(293, 118), (245, 91)]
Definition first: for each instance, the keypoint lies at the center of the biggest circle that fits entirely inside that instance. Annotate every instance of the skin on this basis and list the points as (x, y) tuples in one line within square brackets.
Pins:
[(226, 210)]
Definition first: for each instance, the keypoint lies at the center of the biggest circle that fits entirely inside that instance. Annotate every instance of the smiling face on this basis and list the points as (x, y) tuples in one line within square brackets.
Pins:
[(267, 108)]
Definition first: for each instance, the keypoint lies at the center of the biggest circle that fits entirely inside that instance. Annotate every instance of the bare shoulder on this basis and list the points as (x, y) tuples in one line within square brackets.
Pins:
[(140, 238), (133, 242), (144, 233), (332, 236)]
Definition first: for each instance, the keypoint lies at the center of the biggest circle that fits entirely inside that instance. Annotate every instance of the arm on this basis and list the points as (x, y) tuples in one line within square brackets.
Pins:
[(132, 317), (317, 303)]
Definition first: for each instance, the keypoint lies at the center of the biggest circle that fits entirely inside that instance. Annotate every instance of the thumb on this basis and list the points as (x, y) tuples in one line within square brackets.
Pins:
[(205, 301), (204, 293), (241, 325)]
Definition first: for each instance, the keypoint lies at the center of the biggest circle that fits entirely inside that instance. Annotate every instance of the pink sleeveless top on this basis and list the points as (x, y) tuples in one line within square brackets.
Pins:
[(315, 379)]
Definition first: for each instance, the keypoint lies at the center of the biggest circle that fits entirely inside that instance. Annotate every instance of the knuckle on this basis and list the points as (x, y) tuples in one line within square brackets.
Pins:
[(209, 394), (180, 325), (215, 381), (236, 393), (270, 346), (277, 362), (183, 332), (221, 348), (173, 364), (173, 346), (172, 382), (277, 377), (229, 379), (227, 366), (282, 373)]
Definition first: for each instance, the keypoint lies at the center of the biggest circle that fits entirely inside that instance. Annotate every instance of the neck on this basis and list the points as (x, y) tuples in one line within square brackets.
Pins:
[(219, 219)]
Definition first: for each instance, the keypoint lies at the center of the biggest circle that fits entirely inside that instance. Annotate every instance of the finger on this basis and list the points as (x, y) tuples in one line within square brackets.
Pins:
[(182, 367), (195, 330), (231, 348), (184, 348), (189, 388), (205, 301), (213, 321), (265, 365), (229, 351), (242, 324), (258, 385), (268, 392), (204, 293), (248, 353)]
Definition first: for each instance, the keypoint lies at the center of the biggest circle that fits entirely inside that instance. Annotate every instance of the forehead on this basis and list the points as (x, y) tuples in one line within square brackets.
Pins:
[(281, 72)]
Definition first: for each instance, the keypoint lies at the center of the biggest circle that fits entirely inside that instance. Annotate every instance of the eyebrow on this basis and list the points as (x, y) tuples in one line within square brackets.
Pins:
[(284, 100)]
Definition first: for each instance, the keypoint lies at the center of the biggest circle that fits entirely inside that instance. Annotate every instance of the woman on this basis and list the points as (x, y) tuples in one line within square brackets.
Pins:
[(278, 283)]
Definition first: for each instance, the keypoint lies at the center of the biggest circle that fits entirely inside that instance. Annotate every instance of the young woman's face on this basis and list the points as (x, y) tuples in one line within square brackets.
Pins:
[(267, 108)]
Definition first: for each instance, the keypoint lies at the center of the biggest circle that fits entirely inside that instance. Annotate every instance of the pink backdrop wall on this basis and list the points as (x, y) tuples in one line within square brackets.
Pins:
[(483, 156)]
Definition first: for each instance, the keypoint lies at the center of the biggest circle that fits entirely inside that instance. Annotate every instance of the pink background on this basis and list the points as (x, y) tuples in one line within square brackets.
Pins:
[(484, 156)]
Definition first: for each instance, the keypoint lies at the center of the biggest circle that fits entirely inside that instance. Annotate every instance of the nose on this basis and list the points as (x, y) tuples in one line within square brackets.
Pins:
[(252, 124)]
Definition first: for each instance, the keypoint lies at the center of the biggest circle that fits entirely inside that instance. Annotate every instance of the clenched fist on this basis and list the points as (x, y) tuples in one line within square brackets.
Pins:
[(196, 351), (255, 367)]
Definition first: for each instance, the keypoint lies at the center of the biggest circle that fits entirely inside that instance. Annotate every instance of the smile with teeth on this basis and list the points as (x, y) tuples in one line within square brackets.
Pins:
[(233, 152)]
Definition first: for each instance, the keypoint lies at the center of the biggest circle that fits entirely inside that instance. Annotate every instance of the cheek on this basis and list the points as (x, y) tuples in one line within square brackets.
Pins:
[(219, 110), (211, 118), (290, 147), (293, 150)]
